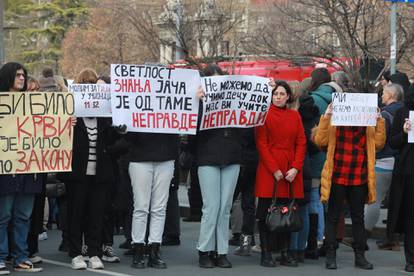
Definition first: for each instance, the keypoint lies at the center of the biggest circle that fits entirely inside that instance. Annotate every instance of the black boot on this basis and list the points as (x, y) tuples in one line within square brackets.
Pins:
[(409, 267), (330, 262), (154, 259), (361, 261), (204, 260), (311, 251), (223, 262), (287, 259), (266, 259), (300, 256), (138, 259)]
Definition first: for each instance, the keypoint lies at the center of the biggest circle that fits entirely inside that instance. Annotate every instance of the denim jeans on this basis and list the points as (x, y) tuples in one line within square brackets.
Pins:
[(15, 209), (316, 207), (372, 211), (150, 185), (299, 239), (217, 188)]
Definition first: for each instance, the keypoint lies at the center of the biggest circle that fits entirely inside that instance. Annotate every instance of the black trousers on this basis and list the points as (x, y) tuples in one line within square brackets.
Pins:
[(86, 207), (172, 218), (408, 219), (62, 203), (355, 196), (109, 216), (36, 221), (245, 186), (194, 194)]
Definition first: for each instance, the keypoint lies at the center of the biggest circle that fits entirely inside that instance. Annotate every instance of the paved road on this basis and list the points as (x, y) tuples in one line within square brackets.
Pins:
[(182, 261)]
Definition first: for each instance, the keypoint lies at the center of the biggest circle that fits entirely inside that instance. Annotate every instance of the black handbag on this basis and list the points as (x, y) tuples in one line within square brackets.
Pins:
[(283, 217)]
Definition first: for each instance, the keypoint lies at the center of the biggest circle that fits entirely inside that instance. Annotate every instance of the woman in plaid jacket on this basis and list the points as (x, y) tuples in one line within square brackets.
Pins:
[(348, 174)]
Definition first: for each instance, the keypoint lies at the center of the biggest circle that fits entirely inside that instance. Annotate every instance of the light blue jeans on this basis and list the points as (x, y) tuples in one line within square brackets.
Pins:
[(299, 239), (316, 207), (15, 209), (217, 186)]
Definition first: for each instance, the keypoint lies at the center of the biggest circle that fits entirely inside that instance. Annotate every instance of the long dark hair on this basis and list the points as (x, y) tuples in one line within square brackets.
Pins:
[(287, 88), (8, 75), (319, 76), (212, 69)]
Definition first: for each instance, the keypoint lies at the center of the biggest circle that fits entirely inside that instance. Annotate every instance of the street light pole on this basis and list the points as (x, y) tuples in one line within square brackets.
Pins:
[(393, 52)]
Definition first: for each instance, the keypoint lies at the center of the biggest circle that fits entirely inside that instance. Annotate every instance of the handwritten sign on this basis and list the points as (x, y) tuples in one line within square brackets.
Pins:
[(354, 109), (35, 132), (92, 100), (235, 101), (155, 99), (411, 132)]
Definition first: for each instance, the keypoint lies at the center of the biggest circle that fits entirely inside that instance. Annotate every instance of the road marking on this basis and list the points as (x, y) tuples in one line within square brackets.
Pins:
[(106, 272)]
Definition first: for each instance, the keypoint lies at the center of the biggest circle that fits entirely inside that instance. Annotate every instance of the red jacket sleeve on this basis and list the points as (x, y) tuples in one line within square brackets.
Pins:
[(300, 145), (262, 144)]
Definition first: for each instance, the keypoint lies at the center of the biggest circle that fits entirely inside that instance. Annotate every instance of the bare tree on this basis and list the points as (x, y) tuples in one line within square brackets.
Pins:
[(344, 33)]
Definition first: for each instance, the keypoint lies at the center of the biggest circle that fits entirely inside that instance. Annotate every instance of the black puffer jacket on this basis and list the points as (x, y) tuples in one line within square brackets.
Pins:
[(152, 147), (218, 147)]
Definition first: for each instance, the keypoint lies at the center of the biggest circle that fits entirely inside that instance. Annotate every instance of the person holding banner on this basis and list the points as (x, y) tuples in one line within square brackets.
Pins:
[(88, 183), (218, 155), (401, 203), (348, 173), (17, 192), (281, 144)]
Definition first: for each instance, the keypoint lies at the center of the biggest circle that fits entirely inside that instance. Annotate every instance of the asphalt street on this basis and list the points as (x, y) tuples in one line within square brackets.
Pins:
[(182, 261)]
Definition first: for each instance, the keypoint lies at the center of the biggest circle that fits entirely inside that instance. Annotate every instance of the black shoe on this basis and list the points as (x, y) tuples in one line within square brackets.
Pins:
[(223, 262), (204, 260), (63, 247), (266, 259), (330, 262), (235, 240), (192, 219), (129, 252), (154, 258), (170, 241), (126, 245), (138, 259), (361, 261), (288, 259), (409, 267), (213, 257), (300, 256)]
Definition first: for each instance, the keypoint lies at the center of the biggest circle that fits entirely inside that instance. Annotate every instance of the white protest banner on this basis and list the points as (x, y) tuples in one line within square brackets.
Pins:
[(354, 109), (92, 100), (35, 132), (235, 101), (411, 132), (154, 99)]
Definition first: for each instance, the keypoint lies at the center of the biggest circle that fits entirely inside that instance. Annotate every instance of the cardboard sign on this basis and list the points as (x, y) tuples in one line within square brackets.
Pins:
[(411, 132), (92, 100), (154, 99), (35, 132), (235, 101), (354, 109)]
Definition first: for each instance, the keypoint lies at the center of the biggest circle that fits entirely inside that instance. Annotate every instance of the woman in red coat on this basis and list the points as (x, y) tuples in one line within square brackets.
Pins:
[(281, 143)]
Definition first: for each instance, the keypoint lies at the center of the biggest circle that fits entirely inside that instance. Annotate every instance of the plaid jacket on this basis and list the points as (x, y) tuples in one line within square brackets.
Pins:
[(350, 165)]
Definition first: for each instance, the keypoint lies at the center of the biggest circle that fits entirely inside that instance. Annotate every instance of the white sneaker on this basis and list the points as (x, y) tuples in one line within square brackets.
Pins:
[(95, 263), (78, 263), (108, 255), (35, 259), (43, 236), (256, 248), (3, 269)]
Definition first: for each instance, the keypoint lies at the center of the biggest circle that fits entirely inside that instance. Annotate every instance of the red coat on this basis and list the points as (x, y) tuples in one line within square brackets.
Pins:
[(281, 143)]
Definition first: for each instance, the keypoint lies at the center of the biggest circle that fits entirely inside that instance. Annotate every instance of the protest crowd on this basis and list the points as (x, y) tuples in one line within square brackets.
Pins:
[(299, 156)]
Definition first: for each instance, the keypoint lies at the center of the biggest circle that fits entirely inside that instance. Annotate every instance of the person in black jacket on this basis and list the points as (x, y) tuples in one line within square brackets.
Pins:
[(17, 192), (401, 203), (87, 184), (218, 158), (151, 169)]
